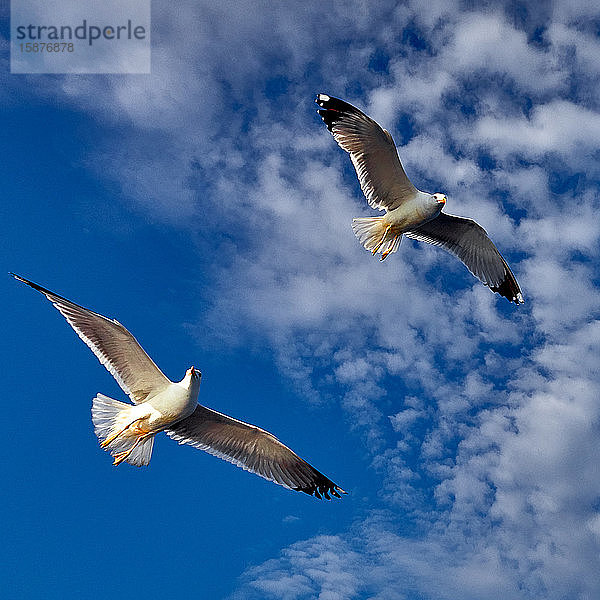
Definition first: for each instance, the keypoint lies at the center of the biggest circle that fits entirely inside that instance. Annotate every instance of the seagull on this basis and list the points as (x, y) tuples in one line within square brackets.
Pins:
[(410, 212), (127, 431)]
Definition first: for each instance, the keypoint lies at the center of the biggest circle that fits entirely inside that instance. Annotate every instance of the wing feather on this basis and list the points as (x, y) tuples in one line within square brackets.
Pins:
[(112, 344), (372, 151), (253, 449), (469, 242)]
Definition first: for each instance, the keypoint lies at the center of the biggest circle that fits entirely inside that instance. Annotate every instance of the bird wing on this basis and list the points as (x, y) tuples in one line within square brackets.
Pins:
[(469, 242), (114, 346), (253, 449), (372, 150)]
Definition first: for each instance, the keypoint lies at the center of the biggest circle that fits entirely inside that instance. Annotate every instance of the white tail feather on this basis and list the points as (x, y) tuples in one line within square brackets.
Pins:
[(142, 453), (111, 416), (375, 235)]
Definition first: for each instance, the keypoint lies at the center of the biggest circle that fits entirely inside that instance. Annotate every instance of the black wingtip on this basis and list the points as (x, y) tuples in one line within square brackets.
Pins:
[(23, 280), (323, 489), (510, 289), (331, 103), (35, 286), (333, 109)]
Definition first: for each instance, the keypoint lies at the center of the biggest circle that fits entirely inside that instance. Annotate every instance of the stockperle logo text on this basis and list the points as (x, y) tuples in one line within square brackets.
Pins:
[(89, 33)]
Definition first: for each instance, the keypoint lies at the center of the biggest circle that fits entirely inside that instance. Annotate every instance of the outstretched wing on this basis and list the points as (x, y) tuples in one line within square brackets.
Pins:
[(114, 346), (253, 449), (470, 243), (372, 150)]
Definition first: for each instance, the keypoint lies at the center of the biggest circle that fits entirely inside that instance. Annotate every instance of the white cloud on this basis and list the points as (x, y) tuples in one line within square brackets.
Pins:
[(488, 42), (577, 12), (326, 575), (586, 47), (506, 440), (559, 127)]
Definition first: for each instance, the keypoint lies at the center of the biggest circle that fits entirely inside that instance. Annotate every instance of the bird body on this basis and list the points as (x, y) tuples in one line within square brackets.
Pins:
[(177, 401), (384, 234), (128, 431), (409, 211), (414, 211)]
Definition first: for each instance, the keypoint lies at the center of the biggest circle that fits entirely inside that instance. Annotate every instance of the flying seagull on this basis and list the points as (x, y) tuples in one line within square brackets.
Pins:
[(410, 212), (127, 431)]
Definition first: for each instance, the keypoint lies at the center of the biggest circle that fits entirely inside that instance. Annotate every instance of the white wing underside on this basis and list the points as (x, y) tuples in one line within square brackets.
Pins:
[(113, 345), (372, 151), (251, 448)]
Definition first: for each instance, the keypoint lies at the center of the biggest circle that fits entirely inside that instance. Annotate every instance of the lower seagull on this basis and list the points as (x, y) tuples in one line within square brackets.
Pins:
[(127, 431)]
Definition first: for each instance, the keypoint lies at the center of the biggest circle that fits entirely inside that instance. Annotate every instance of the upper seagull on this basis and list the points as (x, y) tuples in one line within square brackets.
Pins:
[(416, 214), (127, 431)]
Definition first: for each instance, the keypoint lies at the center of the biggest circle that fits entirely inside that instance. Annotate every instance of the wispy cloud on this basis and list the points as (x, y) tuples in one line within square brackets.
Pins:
[(505, 435)]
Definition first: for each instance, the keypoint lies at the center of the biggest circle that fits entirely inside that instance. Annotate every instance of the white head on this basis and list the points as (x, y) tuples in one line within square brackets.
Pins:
[(193, 373), (440, 199)]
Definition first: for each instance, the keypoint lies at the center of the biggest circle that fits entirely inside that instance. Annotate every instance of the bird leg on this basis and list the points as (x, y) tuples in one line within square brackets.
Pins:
[(385, 254), (381, 240), (111, 438), (121, 456)]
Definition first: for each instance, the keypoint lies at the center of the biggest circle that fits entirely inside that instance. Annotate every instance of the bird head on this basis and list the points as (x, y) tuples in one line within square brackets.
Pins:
[(193, 373), (440, 199)]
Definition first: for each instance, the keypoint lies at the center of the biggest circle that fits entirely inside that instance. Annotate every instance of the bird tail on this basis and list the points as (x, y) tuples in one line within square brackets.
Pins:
[(375, 235), (113, 426)]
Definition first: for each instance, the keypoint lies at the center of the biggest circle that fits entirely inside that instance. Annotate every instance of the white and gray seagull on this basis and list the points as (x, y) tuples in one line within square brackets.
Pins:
[(410, 212), (127, 431)]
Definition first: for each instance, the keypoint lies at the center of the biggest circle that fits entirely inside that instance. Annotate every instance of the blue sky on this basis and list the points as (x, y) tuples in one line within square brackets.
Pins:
[(207, 208)]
